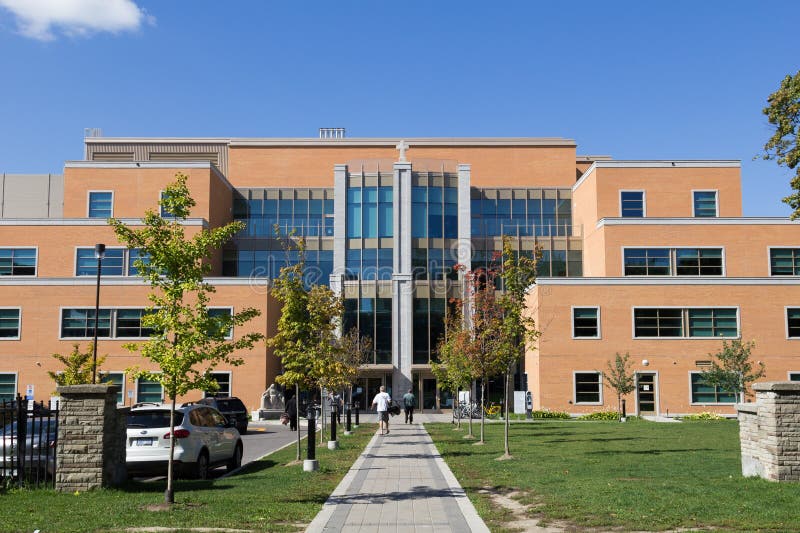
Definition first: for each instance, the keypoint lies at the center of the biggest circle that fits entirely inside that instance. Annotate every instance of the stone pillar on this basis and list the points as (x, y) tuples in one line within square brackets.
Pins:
[(769, 432), (91, 438), (402, 280)]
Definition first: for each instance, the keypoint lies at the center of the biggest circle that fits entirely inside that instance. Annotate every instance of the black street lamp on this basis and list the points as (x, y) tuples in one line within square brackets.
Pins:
[(99, 253)]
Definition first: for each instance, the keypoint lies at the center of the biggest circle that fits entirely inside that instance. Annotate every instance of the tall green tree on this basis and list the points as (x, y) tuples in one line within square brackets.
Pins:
[(354, 352), (620, 376), (187, 341), (306, 340), (783, 112), (731, 369), (78, 366), (517, 328)]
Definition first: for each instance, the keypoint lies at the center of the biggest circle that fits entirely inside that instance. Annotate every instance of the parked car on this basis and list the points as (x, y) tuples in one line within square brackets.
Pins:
[(39, 456), (233, 409), (205, 439)]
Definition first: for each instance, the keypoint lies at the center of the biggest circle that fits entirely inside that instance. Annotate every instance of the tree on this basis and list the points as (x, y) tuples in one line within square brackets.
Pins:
[(518, 329), (452, 370), (78, 366), (620, 377), (187, 342), (325, 310), (783, 112), (734, 371), (305, 339), (354, 352)]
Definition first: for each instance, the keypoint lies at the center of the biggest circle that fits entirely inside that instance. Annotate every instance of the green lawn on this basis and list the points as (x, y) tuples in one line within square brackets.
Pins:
[(638, 475), (267, 496)]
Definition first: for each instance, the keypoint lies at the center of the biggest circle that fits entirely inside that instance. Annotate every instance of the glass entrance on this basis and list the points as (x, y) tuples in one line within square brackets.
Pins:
[(366, 388), (429, 393), (646, 394)]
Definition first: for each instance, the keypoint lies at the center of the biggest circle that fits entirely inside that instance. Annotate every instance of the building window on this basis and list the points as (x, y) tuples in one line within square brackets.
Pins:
[(700, 322), (657, 322), (223, 379), (215, 312), (118, 379), (698, 261), (713, 323), (128, 324), (588, 388), (705, 393), (17, 261), (632, 204), (149, 391), (705, 203), (586, 322), (8, 387), (794, 376), (647, 261), (101, 204), (784, 261), (9, 323), (79, 323), (793, 322), (117, 262)]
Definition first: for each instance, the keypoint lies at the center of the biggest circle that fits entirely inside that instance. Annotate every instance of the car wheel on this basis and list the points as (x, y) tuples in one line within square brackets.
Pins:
[(201, 467), (236, 460)]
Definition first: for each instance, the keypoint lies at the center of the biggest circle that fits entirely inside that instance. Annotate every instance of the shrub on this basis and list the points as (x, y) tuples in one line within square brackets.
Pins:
[(601, 415), (550, 414), (704, 416)]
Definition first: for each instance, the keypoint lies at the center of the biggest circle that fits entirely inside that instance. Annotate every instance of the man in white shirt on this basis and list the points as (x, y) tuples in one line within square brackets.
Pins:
[(382, 402)]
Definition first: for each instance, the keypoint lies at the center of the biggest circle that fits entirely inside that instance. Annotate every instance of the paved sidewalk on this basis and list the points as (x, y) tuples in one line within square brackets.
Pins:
[(400, 483)]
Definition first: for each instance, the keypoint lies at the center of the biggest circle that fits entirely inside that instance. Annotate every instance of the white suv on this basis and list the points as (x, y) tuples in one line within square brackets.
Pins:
[(204, 439)]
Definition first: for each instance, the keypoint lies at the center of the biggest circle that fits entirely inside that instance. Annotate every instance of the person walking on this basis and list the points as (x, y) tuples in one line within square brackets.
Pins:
[(381, 403), (409, 401), (291, 410)]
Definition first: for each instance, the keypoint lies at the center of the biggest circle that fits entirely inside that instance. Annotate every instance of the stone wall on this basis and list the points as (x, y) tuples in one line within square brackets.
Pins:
[(769, 432), (91, 438)]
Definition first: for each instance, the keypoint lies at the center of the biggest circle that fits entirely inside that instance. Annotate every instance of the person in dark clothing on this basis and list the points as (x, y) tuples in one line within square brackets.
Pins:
[(408, 405), (291, 410)]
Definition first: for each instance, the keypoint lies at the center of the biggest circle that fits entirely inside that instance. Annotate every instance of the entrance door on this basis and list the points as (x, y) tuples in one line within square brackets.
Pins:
[(428, 393), (646, 394)]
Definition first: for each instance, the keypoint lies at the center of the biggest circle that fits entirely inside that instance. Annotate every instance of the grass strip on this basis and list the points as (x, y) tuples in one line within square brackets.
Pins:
[(638, 475), (267, 495)]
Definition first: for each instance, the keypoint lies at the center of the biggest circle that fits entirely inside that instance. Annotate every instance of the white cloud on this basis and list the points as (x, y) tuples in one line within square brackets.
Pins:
[(42, 19)]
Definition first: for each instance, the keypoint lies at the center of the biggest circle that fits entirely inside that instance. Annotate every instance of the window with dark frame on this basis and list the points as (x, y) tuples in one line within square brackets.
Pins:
[(9, 323), (793, 322), (647, 261), (784, 261), (587, 387), (585, 323), (702, 392), (101, 204), (705, 203), (631, 204), (653, 322), (17, 261)]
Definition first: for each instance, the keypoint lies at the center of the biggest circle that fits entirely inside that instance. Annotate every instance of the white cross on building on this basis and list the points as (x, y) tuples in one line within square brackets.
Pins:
[(402, 146)]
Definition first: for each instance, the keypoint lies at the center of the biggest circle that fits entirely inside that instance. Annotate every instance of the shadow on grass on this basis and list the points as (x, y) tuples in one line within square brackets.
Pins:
[(195, 484), (649, 452)]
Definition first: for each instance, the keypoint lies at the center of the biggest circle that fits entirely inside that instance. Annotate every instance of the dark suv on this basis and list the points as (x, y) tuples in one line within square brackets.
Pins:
[(233, 409)]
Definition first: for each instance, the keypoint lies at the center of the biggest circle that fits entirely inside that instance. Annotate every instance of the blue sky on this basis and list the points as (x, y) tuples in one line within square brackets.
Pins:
[(634, 80)]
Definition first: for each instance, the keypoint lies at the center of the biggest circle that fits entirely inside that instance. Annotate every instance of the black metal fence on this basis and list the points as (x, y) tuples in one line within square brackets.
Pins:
[(29, 434)]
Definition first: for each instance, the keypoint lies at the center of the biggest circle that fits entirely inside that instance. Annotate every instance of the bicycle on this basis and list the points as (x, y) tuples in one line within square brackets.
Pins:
[(468, 410)]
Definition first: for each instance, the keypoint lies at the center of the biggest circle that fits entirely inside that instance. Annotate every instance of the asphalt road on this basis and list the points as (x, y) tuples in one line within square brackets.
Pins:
[(262, 439)]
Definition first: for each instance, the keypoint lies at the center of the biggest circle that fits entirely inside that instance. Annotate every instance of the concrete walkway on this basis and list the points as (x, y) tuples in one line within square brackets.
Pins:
[(400, 483)]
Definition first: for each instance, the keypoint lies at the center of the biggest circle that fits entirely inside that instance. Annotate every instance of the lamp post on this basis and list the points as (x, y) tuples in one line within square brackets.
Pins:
[(99, 253)]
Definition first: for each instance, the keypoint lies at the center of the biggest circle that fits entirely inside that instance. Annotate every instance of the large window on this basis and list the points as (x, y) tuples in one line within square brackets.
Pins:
[(128, 324), (148, 391), (588, 388), (101, 204), (647, 261), (17, 261), (116, 262), (702, 392), (78, 323), (118, 379), (524, 213), (372, 317), (8, 386), (686, 323), (632, 204), (784, 261), (672, 261), (793, 322), (369, 212), (586, 322), (223, 379), (705, 203), (9, 323)]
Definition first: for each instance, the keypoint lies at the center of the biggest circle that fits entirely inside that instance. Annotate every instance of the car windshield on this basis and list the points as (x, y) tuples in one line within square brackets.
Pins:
[(233, 404), (152, 419)]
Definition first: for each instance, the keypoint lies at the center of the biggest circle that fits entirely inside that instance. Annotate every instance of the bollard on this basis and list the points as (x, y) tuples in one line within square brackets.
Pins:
[(357, 405), (348, 428), (333, 444), (311, 464)]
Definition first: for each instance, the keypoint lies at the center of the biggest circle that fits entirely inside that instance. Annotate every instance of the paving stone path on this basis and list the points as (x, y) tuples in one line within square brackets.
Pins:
[(400, 483)]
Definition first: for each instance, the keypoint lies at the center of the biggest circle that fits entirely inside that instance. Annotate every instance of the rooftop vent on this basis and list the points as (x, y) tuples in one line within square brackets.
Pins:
[(92, 132), (331, 133)]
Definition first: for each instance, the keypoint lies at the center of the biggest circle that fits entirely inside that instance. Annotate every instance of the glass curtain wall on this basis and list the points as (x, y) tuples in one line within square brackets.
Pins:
[(372, 317)]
